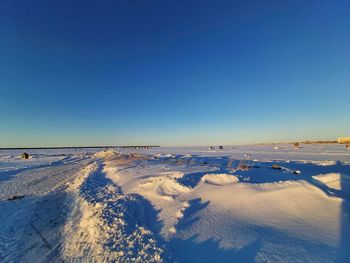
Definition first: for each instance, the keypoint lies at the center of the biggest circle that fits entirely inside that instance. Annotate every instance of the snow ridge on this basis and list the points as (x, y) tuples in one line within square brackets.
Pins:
[(109, 226)]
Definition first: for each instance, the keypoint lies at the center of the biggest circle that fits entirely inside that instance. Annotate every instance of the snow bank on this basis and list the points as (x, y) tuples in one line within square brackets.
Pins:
[(220, 179), (82, 175), (107, 226), (107, 154)]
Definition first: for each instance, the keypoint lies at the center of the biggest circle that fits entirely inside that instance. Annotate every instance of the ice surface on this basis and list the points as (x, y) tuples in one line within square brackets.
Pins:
[(173, 204)]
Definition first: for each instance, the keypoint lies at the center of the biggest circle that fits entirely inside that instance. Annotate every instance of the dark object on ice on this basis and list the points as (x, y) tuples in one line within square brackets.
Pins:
[(211, 148), (205, 163), (296, 145), (25, 155), (277, 167), (221, 147), (243, 167), (15, 197)]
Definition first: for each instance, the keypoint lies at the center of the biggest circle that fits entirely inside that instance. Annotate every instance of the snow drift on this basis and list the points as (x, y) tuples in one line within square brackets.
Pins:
[(220, 179)]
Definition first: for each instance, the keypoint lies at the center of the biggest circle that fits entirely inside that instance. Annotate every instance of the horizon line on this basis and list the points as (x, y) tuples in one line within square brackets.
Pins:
[(155, 146)]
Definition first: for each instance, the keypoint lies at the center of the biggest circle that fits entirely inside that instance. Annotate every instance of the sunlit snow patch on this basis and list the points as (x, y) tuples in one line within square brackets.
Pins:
[(332, 180), (107, 154), (220, 179), (164, 187)]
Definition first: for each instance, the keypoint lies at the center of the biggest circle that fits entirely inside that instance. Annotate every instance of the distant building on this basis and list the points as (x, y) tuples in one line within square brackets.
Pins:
[(221, 147), (344, 140)]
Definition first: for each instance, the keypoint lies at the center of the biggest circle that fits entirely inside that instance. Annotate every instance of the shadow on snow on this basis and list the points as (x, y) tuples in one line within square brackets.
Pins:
[(261, 172)]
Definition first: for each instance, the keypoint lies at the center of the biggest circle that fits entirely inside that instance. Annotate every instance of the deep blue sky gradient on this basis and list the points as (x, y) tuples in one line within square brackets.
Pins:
[(173, 72)]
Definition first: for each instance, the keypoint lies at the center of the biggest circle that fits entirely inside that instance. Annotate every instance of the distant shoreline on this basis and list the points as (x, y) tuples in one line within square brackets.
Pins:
[(78, 147), (153, 146), (301, 142)]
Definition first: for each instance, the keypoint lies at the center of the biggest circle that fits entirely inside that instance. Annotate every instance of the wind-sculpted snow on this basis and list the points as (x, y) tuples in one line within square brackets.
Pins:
[(111, 227), (219, 179), (243, 210), (184, 205)]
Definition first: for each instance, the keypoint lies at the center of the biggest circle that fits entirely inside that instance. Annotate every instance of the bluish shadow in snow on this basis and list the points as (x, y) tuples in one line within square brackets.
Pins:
[(97, 188), (194, 249), (191, 179), (344, 243), (190, 250), (190, 217), (257, 173), (33, 227), (262, 172), (265, 174)]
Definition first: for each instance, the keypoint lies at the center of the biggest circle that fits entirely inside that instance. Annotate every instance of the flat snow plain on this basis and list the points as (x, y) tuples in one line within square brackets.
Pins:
[(172, 204)]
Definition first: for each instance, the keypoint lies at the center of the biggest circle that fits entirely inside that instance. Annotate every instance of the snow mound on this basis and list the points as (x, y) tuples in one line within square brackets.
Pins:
[(220, 179), (107, 154), (107, 226), (163, 186)]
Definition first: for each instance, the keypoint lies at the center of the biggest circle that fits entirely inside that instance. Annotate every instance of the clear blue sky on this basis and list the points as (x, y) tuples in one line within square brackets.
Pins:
[(173, 72)]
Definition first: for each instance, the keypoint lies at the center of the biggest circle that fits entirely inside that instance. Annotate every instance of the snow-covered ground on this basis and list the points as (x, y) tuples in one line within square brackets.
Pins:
[(268, 203)]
